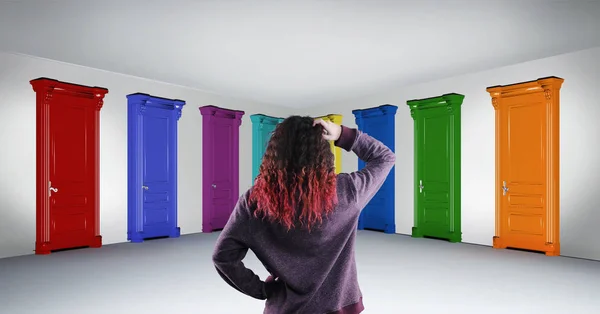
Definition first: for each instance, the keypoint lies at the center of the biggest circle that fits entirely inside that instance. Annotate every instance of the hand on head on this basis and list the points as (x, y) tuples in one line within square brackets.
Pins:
[(331, 131)]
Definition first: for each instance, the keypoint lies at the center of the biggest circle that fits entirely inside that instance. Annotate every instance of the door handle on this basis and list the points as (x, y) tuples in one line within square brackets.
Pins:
[(144, 187), (504, 188), (214, 186), (421, 186), (51, 189)]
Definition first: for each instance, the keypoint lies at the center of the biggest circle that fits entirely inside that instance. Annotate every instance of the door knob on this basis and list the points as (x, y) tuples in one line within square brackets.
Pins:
[(144, 187), (421, 186), (504, 188), (51, 189), (214, 186)]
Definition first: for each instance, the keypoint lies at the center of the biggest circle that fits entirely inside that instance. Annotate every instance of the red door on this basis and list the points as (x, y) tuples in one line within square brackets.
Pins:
[(67, 165)]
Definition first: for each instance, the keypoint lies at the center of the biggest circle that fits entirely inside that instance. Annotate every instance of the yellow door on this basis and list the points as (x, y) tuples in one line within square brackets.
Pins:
[(527, 199), (337, 152)]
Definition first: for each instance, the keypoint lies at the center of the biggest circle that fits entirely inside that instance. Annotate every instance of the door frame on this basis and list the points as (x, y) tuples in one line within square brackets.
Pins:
[(208, 113), (387, 112), (45, 88), (453, 103), (550, 88), (136, 105)]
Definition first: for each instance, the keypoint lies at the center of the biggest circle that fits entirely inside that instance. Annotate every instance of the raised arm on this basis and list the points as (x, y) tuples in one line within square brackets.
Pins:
[(379, 161)]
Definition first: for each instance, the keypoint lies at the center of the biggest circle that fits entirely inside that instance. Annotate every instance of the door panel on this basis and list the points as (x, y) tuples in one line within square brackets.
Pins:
[(527, 165), (71, 189), (262, 130), (220, 165), (267, 131), (67, 151), (434, 168), (157, 188), (264, 136), (222, 187), (437, 186), (374, 214), (152, 167), (523, 212)]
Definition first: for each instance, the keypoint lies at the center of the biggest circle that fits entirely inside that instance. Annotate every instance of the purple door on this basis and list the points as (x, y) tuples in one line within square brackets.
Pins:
[(220, 165), (222, 195)]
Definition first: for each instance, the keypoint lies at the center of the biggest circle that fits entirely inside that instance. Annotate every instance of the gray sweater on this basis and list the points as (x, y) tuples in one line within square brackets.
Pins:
[(317, 270)]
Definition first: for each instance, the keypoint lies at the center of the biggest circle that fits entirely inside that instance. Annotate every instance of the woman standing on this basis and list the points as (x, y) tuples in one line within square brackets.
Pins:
[(300, 219)]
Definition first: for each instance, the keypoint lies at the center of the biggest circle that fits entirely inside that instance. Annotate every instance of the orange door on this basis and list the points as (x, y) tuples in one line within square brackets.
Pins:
[(527, 165)]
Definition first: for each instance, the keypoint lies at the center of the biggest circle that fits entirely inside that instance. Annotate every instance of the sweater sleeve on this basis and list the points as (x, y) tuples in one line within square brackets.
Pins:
[(231, 248), (379, 161)]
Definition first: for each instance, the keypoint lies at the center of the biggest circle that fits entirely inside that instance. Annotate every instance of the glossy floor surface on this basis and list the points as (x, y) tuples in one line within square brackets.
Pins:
[(397, 274)]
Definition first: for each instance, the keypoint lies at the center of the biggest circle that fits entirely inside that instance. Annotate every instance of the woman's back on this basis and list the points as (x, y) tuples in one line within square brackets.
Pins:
[(316, 268)]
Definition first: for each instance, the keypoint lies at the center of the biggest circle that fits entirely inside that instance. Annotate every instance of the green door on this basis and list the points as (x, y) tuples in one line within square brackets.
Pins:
[(437, 167)]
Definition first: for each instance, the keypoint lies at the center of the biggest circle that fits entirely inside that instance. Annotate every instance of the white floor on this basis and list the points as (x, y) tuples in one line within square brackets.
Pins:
[(398, 274)]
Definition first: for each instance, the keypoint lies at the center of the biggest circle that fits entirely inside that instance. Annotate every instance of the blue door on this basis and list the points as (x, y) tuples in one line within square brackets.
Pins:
[(263, 127), (152, 153), (379, 213)]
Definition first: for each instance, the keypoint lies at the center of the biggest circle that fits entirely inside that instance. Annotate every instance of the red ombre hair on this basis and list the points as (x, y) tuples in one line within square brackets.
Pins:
[(297, 181)]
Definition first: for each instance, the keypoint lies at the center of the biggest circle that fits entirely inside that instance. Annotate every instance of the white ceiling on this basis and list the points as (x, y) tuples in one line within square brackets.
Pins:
[(297, 53)]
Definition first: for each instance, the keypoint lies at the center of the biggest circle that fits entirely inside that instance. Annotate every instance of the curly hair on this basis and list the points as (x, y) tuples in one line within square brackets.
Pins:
[(296, 180)]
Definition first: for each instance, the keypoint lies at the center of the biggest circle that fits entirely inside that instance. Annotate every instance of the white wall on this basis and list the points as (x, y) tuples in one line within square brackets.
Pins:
[(579, 136), (17, 147), (580, 170)]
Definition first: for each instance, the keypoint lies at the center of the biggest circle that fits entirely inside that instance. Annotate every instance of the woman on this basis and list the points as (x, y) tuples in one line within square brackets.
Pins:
[(300, 220)]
